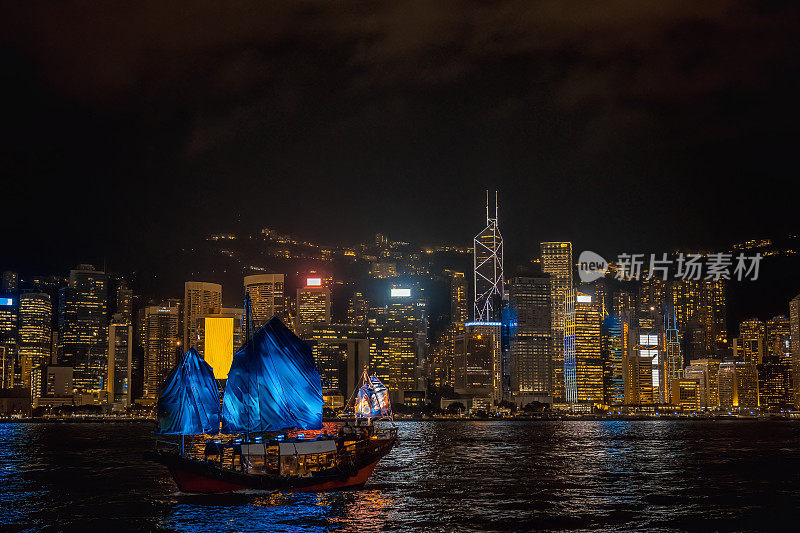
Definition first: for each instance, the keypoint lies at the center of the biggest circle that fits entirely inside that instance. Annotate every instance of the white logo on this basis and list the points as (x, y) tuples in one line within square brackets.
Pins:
[(591, 266)]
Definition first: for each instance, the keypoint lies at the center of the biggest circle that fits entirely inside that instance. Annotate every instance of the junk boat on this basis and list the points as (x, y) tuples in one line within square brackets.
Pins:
[(273, 392)]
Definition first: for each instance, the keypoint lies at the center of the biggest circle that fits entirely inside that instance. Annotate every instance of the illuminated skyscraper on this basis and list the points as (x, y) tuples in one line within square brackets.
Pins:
[(124, 303), (530, 340), (557, 261), (83, 327), (644, 340), (623, 301), (738, 385), (794, 339), (393, 358), (266, 297), (778, 344), (583, 364), (673, 357), (161, 343), (120, 359), (488, 268), (685, 394), (612, 351), (35, 323), (477, 356), (341, 352), (749, 345), (313, 306), (358, 310), (706, 372), (8, 337), (441, 368), (199, 299), (700, 307), (459, 308), (773, 384)]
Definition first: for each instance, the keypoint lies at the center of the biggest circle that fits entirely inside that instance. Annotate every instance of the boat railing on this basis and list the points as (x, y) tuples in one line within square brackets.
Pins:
[(167, 446)]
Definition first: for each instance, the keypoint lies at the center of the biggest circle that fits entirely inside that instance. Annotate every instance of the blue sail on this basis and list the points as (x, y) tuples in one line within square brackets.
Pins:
[(273, 384), (189, 399)]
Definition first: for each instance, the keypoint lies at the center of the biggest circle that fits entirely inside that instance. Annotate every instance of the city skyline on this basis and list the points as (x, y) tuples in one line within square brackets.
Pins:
[(564, 339)]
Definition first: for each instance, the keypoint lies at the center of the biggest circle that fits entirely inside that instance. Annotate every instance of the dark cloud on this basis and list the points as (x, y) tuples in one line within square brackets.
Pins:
[(620, 123)]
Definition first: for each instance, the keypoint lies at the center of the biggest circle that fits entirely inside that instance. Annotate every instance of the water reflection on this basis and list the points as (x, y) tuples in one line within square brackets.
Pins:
[(444, 476)]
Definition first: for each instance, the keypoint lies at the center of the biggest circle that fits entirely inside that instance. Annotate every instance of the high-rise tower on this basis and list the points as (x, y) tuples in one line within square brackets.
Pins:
[(488, 261), (478, 352), (557, 261)]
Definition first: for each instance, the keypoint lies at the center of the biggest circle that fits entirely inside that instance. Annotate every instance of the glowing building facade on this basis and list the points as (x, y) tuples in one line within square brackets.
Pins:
[(341, 352), (738, 385), (8, 337), (120, 360), (267, 298), (393, 358), (35, 335), (83, 327), (161, 344), (794, 340), (199, 299), (488, 268), (313, 306), (612, 350), (583, 363), (556, 260), (749, 345), (706, 373)]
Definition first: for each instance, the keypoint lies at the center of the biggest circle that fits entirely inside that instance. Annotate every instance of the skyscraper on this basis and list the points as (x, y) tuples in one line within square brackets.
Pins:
[(358, 310), (700, 307), (738, 385), (83, 327), (749, 345), (341, 352), (612, 360), (778, 344), (488, 268), (794, 333), (199, 299), (124, 303), (530, 342), (120, 359), (773, 384), (706, 372), (557, 261), (161, 343), (266, 297), (673, 359), (583, 364), (477, 355), (459, 308), (8, 337), (393, 357), (313, 306), (35, 323), (644, 340)]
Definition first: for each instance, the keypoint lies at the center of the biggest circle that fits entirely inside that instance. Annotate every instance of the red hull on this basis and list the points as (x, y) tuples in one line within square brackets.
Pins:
[(197, 483)]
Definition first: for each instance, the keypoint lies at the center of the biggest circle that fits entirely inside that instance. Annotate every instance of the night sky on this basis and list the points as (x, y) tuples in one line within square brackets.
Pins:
[(130, 128)]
